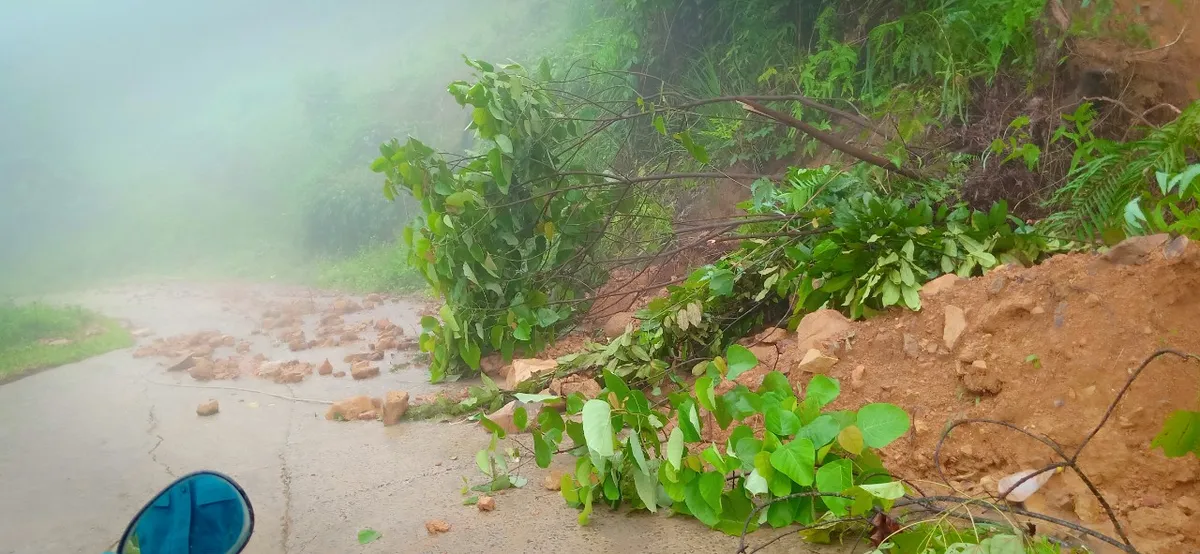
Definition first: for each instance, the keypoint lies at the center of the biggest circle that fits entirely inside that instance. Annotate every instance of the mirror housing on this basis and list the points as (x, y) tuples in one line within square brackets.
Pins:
[(200, 513)]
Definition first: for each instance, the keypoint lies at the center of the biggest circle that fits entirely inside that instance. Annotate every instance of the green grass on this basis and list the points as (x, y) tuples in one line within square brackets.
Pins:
[(24, 328), (382, 268)]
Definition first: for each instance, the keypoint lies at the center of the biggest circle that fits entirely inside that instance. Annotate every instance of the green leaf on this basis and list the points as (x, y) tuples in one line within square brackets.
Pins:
[(721, 282), (675, 448), (597, 426), (891, 490), (882, 423), (821, 431), (469, 351), (704, 393), (647, 489), (542, 452), (697, 151), (689, 420), (1180, 434), (639, 456), (797, 460), (712, 484), (532, 398), (520, 418), (779, 420), (547, 317), (504, 143), (756, 483), (492, 426), (660, 125), (851, 440), (523, 331), (368, 535), (459, 199), (615, 385), (776, 383), (823, 390), (696, 504), (739, 359), (781, 513), (835, 477)]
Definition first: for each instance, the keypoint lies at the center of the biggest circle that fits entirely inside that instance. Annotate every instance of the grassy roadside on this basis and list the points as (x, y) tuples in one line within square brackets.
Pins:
[(382, 268), (36, 336)]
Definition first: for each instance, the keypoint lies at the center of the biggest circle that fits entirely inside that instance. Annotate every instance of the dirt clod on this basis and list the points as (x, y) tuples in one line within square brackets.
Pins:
[(435, 526), (954, 326), (486, 503), (350, 408), (363, 370), (816, 362), (1133, 250), (208, 408), (395, 404), (325, 368)]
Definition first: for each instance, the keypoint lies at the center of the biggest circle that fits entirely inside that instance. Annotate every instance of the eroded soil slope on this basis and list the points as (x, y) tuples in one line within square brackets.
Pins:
[(1046, 349)]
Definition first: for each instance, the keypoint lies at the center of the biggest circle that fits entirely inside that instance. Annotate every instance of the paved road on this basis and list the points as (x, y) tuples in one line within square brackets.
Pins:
[(83, 446)]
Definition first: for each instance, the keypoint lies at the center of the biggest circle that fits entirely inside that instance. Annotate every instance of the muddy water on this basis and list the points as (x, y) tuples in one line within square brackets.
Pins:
[(84, 445)]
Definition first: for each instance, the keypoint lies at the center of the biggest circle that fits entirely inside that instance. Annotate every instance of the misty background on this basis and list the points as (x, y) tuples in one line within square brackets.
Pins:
[(224, 138)]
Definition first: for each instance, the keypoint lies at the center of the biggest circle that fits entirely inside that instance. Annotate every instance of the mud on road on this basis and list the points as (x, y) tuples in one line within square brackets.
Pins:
[(86, 444)]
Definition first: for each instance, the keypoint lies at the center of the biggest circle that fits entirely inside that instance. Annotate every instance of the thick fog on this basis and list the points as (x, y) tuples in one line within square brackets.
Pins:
[(195, 138)]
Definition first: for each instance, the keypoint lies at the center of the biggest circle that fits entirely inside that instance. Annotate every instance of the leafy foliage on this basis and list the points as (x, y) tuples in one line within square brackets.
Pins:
[(833, 246), (806, 462), (1174, 205), (500, 231), (1107, 175)]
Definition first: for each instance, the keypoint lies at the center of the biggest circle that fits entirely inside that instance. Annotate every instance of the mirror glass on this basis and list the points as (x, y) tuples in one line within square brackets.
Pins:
[(203, 513)]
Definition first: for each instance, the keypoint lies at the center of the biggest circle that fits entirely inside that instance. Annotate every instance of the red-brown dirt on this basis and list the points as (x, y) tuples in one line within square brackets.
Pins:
[(1088, 322)]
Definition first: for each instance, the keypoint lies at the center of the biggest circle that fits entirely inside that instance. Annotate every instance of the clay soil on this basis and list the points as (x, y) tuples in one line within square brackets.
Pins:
[(1086, 323)]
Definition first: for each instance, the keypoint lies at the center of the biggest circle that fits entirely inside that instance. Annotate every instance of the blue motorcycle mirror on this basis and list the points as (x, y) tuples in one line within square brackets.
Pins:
[(201, 513)]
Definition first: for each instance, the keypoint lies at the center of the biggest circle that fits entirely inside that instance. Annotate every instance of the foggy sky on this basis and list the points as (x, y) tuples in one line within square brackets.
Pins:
[(130, 112)]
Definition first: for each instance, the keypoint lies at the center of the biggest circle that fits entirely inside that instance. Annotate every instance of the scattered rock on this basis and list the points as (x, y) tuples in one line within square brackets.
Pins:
[(183, 363), (269, 370), (1175, 248), (771, 335), (552, 481), (1037, 310), (526, 369), (938, 286), (820, 326), (297, 345), (1091, 300), (1133, 250), (387, 343), (363, 370), (368, 415), (617, 323), (1060, 314), (345, 306), (202, 370), (856, 376), (384, 325), (491, 364), (955, 325), (372, 356), (435, 526), (395, 404), (912, 348), (374, 297), (242, 347), (504, 417), (325, 368), (208, 408), (350, 408), (978, 380), (339, 374), (349, 336), (997, 284), (575, 383), (816, 362), (486, 503), (141, 332)]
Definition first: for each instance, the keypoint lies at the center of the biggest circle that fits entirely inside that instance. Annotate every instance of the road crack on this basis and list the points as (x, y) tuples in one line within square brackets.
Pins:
[(152, 429)]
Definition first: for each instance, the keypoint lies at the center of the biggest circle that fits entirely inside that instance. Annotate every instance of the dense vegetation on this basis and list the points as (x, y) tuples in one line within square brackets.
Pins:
[(875, 159)]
